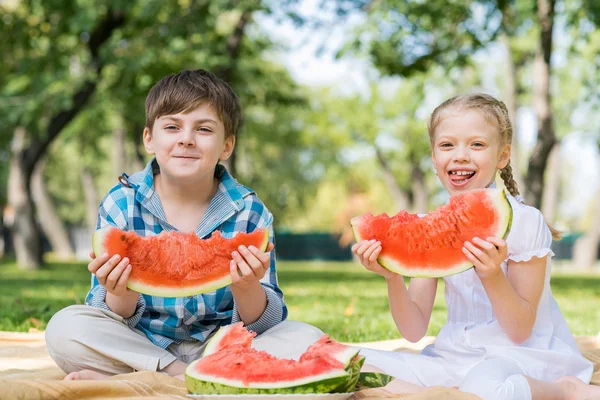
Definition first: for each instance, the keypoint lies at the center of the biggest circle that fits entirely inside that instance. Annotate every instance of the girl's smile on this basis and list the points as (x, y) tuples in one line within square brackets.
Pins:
[(467, 151)]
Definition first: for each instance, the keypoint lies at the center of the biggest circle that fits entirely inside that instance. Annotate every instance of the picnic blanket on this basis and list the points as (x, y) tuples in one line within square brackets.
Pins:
[(28, 372)]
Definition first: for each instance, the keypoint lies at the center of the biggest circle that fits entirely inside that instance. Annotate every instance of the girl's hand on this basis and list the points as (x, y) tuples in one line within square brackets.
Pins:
[(249, 265), (486, 255), (111, 273), (368, 251)]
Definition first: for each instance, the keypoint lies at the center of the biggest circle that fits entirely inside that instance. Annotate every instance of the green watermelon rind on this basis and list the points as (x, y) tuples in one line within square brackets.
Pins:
[(168, 291), (322, 383), (506, 214), (372, 380), (354, 371)]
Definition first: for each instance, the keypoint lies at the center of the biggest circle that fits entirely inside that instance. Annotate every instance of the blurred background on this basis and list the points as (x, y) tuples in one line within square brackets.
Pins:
[(336, 96)]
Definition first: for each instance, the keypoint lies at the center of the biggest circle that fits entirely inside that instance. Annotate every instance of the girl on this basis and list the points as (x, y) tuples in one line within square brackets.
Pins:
[(505, 337)]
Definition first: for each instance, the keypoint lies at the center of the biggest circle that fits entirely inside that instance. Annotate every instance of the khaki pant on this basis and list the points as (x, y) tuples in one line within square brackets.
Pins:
[(84, 337)]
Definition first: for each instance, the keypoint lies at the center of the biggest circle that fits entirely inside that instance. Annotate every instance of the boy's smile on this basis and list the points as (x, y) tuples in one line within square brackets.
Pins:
[(467, 151), (188, 146)]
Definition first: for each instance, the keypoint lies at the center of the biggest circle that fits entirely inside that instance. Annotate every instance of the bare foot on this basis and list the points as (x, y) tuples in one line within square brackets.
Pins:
[(577, 390), (86, 374)]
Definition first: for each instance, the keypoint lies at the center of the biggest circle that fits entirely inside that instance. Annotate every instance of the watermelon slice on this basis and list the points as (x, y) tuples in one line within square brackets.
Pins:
[(175, 264), (431, 246), (231, 366)]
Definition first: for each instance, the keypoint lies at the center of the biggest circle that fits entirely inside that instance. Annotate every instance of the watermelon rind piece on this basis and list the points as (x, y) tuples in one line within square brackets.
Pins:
[(197, 383), (168, 291), (504, 209), (371, 380), (354, 371)]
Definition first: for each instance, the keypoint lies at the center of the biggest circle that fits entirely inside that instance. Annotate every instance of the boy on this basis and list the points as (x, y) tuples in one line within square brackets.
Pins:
[(192, 120)]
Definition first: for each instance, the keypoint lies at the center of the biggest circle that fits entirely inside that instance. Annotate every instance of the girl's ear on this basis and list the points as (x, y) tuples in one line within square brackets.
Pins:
[(148, 141), (503, 157), (228, 148)]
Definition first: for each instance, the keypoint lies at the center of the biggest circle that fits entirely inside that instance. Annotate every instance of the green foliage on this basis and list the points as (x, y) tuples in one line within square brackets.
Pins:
[(409, 37)]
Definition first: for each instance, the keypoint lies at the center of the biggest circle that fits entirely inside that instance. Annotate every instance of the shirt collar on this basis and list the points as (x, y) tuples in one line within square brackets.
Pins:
[(228, 199)]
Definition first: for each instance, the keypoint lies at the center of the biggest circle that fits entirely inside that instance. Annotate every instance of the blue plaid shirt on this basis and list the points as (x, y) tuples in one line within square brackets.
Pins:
[(165, 320)]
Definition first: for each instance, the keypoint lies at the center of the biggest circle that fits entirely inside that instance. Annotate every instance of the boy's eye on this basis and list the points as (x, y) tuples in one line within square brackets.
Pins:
[(204, 129), (445, 145), (170, 127)]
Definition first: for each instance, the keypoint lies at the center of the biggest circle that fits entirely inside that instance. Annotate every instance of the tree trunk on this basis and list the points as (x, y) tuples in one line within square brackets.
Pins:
[(25, 232), (91, 198), (2, 243), (510, 98), (234, 43), (137, 161), (23, 162), (585, 249), (542, 100), (119, 154), (552, 184), (419, 189), (399, 196), (51, 224)]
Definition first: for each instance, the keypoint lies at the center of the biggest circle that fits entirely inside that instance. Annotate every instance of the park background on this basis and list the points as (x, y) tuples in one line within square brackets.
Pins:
[(336, 97)]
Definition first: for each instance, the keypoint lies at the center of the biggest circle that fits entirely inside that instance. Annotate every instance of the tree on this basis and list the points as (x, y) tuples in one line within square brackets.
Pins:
[(121, 48), (37, 60)]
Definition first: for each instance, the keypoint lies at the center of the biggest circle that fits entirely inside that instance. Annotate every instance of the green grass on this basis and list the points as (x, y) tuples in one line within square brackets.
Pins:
[(342, 299)]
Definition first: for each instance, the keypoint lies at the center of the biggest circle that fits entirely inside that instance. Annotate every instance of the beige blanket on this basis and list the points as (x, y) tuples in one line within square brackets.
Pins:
[(28, 372)]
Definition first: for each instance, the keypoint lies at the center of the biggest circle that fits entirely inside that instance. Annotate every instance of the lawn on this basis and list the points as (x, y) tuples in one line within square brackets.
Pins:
[(342, 299)]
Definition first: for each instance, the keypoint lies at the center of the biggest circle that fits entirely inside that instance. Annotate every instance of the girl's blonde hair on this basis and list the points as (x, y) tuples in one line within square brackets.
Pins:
[(495, 112)]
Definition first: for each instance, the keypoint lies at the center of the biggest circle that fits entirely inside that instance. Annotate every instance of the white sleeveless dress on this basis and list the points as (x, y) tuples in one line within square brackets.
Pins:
[(472, 333)]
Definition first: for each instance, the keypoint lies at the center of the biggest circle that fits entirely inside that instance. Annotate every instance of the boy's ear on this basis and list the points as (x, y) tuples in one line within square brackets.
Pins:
[(148, 141), (504, 157), (228, 148)]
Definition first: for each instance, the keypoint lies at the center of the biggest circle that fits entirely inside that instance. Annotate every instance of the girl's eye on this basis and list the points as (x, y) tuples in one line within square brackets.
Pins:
[(478, 144), (445, 145)]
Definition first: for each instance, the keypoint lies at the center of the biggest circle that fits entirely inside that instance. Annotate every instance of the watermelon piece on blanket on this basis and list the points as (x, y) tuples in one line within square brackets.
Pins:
[(175, 264), (231, 366), (431, 246)]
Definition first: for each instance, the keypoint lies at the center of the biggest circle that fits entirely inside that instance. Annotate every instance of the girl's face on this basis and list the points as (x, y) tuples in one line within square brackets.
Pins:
[(467, 151)]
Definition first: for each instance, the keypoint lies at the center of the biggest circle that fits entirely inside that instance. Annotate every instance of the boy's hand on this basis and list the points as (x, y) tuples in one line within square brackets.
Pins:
[(111, 273), (249, 265), (486, 255), (368, 251)]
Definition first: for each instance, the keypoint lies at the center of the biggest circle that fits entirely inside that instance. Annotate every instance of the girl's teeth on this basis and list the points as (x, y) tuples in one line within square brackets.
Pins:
[(463, 173)]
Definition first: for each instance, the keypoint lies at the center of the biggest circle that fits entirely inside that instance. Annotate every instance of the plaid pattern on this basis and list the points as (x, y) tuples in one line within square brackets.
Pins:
[(234, 208)]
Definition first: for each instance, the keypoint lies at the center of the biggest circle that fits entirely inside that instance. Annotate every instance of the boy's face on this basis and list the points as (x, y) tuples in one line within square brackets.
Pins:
[(188, 146)]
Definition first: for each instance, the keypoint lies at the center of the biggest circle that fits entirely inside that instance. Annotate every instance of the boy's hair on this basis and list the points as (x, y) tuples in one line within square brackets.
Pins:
[(187, 90), (495, 112)]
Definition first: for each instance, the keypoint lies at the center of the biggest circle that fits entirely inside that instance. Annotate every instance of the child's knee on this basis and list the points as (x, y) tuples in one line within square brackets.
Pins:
[(497, 379), (61, 328), (288, 339), (61, 337), (310, 332)]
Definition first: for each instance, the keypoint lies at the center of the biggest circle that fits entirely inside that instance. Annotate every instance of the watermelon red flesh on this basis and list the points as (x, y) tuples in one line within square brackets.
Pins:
[(431, 246), (230, 365), (227, 337), (330, 350), (250, 368), (176, 264)]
